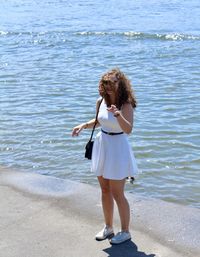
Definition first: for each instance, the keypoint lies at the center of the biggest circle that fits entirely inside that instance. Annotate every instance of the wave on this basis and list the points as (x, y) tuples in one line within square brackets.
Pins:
[(19, 33), (141, 35), (128, 34)]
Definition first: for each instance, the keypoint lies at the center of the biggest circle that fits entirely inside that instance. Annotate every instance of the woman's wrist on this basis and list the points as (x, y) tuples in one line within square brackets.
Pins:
[(117, 114)]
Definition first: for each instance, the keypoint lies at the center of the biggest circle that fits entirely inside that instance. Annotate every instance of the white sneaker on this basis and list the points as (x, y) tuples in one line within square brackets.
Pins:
[(106, 232), (120, 238)]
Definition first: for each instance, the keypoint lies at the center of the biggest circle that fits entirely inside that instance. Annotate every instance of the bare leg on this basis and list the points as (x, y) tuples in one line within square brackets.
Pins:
[(117, 188), (107, 201)]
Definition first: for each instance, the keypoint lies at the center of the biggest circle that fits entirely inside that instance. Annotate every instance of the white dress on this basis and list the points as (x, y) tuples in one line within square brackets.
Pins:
[(112, 156)]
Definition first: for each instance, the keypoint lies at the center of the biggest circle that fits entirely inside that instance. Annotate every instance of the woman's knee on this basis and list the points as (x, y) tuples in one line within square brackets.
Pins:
[(105, 190), (117, 189), (118, 195)]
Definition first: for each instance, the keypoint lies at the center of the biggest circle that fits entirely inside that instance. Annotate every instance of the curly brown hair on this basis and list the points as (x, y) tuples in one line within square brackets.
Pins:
[(124, 93)]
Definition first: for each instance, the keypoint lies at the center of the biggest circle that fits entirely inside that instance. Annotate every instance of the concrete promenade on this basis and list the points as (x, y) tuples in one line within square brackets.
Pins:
[(48, 217)]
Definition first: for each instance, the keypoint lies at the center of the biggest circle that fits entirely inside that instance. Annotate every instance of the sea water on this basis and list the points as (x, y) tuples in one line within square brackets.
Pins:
[(52, 55)]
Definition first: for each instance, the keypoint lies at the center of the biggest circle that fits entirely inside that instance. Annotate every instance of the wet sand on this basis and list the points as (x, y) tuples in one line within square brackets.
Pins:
[(45, 216)]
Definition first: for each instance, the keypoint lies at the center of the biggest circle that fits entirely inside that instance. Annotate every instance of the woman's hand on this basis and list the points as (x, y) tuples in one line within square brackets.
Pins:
[(76, 130), (124, 117), (114, 110)]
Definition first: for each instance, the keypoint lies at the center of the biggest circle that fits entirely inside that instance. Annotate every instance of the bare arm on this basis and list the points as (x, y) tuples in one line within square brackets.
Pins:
[(89, 124), (124, 117)]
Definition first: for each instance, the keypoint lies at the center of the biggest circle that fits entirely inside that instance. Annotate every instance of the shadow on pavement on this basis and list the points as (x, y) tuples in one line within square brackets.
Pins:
[(128, 249)]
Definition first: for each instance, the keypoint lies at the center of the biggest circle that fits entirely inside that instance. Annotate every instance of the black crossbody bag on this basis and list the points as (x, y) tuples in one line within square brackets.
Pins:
[(90, 143)]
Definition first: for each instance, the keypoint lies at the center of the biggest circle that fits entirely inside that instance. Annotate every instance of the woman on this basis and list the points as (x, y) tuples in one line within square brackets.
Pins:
[(112, 157)]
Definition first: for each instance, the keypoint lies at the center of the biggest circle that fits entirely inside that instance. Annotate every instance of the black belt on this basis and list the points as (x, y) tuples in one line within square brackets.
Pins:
[(112, 133)]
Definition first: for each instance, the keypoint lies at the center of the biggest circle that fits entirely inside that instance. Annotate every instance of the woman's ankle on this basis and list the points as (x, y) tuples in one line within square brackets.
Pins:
[(109, 226), (125, 230)]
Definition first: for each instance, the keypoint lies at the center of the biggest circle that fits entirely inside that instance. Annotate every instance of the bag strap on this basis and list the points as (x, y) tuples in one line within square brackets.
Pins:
[(95, 123)]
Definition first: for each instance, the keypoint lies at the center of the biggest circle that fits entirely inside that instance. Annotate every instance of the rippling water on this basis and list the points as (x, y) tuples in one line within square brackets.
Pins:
[(53, 53)]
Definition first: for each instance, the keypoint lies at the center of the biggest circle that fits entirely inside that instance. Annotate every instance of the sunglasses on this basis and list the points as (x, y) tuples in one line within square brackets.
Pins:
[(108, 82)]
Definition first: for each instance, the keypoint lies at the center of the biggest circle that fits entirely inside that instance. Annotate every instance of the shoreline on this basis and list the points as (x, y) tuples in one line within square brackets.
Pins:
[(157, 227)]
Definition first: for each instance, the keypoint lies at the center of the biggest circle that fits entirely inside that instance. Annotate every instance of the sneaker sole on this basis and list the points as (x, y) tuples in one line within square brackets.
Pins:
[(120, 242), (107, 237)]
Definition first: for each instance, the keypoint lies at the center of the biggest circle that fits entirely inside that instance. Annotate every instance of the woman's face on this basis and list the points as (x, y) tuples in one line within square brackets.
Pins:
[(108, 86)]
